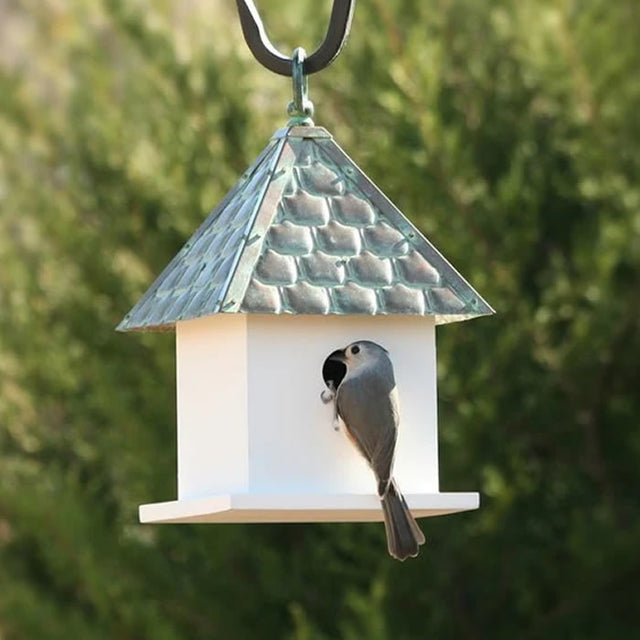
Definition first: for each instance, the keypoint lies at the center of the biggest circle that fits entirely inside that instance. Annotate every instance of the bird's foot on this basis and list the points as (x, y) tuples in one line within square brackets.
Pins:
[(327, 396)]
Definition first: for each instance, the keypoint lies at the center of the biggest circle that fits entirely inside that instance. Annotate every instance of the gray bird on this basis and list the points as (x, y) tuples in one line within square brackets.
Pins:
[(367, 402)]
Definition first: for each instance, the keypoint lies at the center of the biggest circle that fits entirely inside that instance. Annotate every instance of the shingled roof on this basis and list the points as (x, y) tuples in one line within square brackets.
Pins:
[(304, 231)]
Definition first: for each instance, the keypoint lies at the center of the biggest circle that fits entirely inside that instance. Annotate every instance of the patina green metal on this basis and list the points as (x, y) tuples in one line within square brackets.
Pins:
[(305, 231), (300, 108)]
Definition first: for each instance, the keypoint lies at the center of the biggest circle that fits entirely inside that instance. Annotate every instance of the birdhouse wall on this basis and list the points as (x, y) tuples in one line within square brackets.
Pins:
[(250, 418), (211, 357)]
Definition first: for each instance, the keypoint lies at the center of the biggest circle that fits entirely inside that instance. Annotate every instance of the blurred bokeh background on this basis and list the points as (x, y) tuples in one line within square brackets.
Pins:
[(508, 131)]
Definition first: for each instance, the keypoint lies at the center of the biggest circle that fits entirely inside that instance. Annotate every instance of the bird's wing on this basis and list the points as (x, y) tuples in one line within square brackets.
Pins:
[(369, 410)]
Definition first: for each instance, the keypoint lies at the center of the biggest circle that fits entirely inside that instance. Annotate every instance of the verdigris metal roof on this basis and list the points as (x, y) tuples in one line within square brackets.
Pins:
[(304, 231)]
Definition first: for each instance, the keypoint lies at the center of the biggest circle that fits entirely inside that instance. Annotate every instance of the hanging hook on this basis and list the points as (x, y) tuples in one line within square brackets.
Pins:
[(272, 59), (301, 108)]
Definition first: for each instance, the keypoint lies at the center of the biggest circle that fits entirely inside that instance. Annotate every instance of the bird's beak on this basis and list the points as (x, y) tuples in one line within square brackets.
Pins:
[(339, 355)]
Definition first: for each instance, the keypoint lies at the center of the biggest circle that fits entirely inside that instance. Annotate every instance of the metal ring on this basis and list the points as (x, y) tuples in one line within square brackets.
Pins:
[(301, 108)]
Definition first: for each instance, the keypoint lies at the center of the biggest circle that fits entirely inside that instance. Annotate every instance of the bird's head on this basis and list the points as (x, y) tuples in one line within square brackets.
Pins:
[(358, 354)]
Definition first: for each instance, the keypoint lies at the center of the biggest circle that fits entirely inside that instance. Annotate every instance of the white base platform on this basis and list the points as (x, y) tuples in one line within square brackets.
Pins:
[(247, 507)]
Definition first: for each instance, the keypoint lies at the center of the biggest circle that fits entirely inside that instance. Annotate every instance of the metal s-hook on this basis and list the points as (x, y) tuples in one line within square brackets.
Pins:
[(272, 59)]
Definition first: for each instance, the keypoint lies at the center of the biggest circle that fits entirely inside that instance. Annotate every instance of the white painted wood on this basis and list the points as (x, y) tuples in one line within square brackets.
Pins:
[(292, 445), (251, 422), (312, 507), (212, 406)]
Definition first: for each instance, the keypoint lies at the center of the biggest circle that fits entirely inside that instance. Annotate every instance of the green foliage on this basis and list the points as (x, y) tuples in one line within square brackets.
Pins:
[(507, 130)]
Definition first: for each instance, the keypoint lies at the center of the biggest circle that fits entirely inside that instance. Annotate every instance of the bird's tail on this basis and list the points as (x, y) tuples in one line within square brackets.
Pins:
[(404, 536)]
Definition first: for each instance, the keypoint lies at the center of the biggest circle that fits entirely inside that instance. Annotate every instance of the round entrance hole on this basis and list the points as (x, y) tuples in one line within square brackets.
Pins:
[(333, 371)]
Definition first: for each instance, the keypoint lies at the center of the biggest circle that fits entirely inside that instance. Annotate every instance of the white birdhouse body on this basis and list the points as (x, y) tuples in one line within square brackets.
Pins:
[(304, 256), (252, 384)]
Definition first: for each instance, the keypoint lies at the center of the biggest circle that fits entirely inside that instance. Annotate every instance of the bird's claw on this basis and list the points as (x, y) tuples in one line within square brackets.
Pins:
[(327, 396)]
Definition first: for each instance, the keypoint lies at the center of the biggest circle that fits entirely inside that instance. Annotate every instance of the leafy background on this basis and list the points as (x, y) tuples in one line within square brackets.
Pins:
[(508, 131)]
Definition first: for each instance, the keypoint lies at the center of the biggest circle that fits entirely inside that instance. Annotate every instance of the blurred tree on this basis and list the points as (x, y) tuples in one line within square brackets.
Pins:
[(509, 132)]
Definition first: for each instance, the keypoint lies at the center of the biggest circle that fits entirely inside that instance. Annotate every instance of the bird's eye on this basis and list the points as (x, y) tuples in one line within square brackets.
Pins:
[(355, 350)]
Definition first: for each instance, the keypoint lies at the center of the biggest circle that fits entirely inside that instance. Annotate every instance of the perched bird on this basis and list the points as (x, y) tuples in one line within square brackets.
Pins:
[(366, 399)]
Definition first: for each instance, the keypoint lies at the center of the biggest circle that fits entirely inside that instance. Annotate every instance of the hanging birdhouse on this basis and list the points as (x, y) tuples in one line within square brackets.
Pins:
[(303, 257)]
